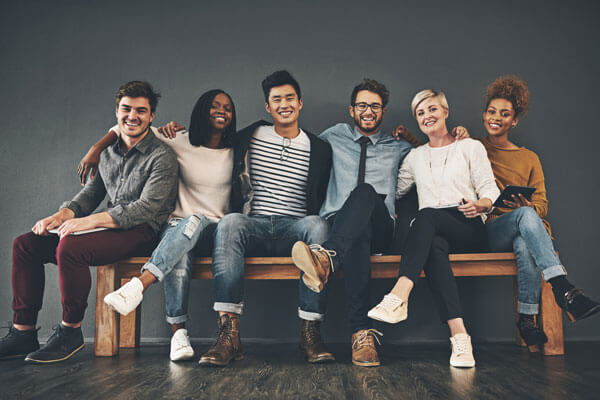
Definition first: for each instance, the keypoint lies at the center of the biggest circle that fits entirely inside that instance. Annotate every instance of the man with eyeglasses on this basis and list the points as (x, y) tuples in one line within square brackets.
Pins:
[(359, 208), (280, 176)]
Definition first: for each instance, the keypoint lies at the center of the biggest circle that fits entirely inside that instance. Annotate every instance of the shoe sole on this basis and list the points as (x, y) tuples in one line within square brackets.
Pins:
[(16, 356), (116, 308), (33, 360), (302, 258), (366, 364), (213, 363), (184, 357), (589, 313), (376, 318), (462, 365)]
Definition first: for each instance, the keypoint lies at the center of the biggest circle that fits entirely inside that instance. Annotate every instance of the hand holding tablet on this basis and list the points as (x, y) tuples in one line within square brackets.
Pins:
[(510, 191)]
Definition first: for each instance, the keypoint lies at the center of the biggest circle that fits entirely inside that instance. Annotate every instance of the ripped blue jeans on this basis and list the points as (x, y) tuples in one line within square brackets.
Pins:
[(171, 261)]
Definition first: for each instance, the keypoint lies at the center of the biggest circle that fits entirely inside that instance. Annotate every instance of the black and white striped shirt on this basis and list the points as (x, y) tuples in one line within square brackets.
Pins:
[(278, 173)]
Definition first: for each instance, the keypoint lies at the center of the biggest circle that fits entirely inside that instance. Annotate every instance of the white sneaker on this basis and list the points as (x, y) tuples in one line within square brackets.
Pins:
[(462, 351), (181, 349), (127, 297), (391, 310)]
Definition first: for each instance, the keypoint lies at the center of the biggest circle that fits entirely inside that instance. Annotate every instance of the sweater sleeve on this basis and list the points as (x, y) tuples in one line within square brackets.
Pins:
[(482, 176), (536, 180), (406, 176)]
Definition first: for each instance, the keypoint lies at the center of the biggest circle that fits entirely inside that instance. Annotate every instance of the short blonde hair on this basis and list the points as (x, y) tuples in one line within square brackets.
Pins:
[(428, 94)]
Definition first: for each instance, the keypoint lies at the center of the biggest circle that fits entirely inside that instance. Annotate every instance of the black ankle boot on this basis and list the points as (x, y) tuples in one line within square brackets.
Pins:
[(531, 333), (575, 303), (17, 344)]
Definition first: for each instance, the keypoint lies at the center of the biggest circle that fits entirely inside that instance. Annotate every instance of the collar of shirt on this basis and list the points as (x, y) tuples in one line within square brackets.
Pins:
[(357, 135), (143, 146)]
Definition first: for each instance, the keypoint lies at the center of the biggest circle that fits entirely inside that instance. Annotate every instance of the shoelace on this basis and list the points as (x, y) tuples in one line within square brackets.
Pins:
[(330, 253), (460, 346), (391, 302), (313, 336), (225, 332), (571, 294), (180, 342), (363, 336)]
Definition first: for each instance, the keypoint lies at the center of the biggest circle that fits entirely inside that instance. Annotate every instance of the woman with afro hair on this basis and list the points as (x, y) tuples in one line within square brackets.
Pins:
[(520, 226)]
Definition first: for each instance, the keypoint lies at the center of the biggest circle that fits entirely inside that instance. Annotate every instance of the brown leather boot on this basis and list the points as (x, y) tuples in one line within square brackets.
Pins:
[(228, 345), (312, 344), (363, 348), (316, 263)]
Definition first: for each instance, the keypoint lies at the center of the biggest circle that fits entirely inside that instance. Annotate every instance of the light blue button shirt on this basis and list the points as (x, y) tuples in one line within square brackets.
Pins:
[(384, 156)]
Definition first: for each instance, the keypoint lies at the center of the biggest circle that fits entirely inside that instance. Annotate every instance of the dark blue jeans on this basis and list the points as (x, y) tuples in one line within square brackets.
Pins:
[(239, 235), (361, 227)]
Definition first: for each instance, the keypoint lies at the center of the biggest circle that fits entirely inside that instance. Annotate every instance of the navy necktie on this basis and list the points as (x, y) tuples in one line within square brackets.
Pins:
[(364, 141)]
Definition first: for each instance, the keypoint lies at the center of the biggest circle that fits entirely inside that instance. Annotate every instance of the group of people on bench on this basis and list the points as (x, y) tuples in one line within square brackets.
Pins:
[(275, 190)]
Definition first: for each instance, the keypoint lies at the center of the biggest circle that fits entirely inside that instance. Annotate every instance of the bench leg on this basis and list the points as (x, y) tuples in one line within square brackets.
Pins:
[(129, 326), (552, 322), (107, 325)]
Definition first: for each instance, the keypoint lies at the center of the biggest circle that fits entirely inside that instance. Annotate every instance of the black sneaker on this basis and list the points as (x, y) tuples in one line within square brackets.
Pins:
[(531, 333), (17, 344), (62, 344), (576, 304)]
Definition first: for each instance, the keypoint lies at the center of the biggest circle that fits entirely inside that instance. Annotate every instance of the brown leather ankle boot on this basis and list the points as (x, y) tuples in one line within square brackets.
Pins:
[(228, 345), (312, 344)]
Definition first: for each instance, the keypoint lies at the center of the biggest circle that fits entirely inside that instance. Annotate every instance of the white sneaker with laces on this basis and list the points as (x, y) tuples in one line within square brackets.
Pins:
[(127, 297), (462, 351), (391, 310), (181, 349)]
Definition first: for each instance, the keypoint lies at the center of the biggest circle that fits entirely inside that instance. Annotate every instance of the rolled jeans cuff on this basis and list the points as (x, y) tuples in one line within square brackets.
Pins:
[(310, 316), (235, 308), (553, 272), (528, 309), (180, 319), (154, 270)]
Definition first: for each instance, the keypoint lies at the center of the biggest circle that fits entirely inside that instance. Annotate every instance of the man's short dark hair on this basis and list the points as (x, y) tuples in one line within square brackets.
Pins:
[(279, 78), (371, 85), (139, 89)]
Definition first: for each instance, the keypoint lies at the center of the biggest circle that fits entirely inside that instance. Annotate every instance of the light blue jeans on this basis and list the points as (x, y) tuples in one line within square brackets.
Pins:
[(523, 231), (171, 261), (239, 235)]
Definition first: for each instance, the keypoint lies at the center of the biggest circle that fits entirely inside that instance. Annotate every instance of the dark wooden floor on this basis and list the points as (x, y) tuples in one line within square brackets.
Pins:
[(503, 371)]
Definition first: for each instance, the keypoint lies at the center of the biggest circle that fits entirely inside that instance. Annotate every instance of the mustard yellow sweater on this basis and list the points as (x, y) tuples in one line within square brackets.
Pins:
[(519, 167)]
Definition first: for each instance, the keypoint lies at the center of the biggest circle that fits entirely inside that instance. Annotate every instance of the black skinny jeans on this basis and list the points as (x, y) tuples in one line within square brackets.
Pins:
[(432, 236), (361, 227)]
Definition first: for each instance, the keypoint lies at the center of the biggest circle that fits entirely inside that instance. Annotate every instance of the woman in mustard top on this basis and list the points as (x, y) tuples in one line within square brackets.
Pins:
[(520, 225)]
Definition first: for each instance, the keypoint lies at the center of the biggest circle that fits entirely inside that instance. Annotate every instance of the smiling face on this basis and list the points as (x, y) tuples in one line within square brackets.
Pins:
[(367, 121), (284, 105), (134, 116), (221, 112), (499, 117), (431, 116)]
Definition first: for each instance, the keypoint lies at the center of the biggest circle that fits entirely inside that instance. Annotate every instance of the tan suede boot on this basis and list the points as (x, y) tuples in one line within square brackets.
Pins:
[(363, 348)]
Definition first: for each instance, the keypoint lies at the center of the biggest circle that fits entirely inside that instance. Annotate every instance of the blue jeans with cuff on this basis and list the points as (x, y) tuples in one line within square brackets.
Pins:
[(171, 261), (240, 235), (523, 231)]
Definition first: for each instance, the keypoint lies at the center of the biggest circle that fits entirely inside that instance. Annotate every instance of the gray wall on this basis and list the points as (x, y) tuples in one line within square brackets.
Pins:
[(63, 60)]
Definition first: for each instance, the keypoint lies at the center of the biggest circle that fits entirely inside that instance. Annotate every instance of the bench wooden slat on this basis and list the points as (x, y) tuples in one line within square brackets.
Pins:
[(278, 268)]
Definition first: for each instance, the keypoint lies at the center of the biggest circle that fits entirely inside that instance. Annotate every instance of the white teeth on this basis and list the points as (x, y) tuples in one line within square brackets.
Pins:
[(131, 124), (220, 119), (495, 125)]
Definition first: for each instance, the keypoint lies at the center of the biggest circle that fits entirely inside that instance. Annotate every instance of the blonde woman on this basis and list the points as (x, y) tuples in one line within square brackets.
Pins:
[(456, 187)]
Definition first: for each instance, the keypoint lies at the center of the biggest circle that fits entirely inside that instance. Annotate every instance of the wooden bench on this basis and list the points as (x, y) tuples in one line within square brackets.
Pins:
[(114, 331)]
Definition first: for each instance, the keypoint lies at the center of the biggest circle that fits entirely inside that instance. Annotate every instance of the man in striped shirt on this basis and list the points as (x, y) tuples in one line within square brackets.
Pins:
[(280, 177)]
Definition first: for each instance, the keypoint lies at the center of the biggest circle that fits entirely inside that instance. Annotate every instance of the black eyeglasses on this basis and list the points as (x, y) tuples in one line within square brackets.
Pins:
[(285, 145), (375, 107)]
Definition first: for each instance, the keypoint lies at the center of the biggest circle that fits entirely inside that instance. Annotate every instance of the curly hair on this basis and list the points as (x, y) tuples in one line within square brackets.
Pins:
[(511, 88), (371, 85)]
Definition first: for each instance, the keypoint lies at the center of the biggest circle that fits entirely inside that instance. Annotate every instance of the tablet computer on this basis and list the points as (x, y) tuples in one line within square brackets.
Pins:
[(511, 190)]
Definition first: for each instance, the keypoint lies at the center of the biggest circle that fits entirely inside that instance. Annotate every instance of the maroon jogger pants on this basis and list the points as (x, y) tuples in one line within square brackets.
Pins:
[(73, 255)]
